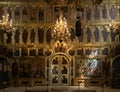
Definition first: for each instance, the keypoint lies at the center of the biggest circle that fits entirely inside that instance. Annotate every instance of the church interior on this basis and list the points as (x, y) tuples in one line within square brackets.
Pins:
[(60, 43)]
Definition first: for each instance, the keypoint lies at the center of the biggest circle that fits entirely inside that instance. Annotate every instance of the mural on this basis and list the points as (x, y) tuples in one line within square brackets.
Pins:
[(48, 35), (88, 13), (1, 12), (25, 14), (33, 13), (81, 68), (96, 34), (39, 68), (41, 14), (17, 35), (104, 34), (49, 12), (25, 35), (94, 68), (32, 35), (40, 33), (104, 12), (112, 12), (17, 14), (89, 34)]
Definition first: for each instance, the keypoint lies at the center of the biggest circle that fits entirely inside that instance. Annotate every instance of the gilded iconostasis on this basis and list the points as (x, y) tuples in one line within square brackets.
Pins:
[(34, 49)]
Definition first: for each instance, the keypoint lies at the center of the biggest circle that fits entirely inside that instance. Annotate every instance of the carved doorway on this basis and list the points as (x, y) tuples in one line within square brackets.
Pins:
[(116, 73), (60, 70)]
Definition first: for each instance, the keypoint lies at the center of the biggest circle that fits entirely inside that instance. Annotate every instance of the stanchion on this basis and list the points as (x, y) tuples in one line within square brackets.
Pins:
[(4, 86), (103, 85), (25, 85), (47, 87), (78, 86)]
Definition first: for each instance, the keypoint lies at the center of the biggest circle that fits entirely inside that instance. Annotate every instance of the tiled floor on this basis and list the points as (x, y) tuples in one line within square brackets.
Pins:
[(64, 89)]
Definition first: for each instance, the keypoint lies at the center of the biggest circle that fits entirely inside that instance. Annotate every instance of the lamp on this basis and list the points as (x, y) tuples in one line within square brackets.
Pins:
[(61, 30), (5, 22)]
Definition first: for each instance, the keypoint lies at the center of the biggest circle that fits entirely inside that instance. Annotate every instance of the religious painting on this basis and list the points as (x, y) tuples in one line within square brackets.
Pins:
[(32, 35), (55, 61), (78, 28), (80, 13), (105, 51), (2, 33), (17, 35), (80, 52), (105, 67), (33, 13), (1, 11), (55, 79), (112, 35), (48, 35), (64, 79), (9, 36), (72, 12), (64, 70), (25, 35), (39, 68), (40, 33), (96, 52), (16, 52), (89, 35), (88, 51), (25, 14), (55, 70), (104, 11), (64, 11), (14, 69), (81, 68), (60, 47), (88, 13), (104, 34), (112, 12), (40, 52), (17, 14), (9, 11), (48, 52), (41, 14), (72, 52), (49, 14), (81, 37), (23, 68), (64, 61), (32, 52), (56, 13), (96, 34), (96, 13), (94, 68), (24, 52)]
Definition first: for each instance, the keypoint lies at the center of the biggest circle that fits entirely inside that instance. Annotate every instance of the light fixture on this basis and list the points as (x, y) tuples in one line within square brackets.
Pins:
[(115, 26), (61, 30), (5, 22)]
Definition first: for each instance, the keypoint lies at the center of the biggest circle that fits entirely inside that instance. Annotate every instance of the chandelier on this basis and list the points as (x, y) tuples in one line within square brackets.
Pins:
[(5, 22), (61, 31)]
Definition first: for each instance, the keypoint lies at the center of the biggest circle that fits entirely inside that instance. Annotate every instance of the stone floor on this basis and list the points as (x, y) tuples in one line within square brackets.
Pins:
[(59, 89)]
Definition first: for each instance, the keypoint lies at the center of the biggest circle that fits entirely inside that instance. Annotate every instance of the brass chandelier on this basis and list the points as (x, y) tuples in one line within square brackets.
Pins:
[(61, 30), (5, 22)]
